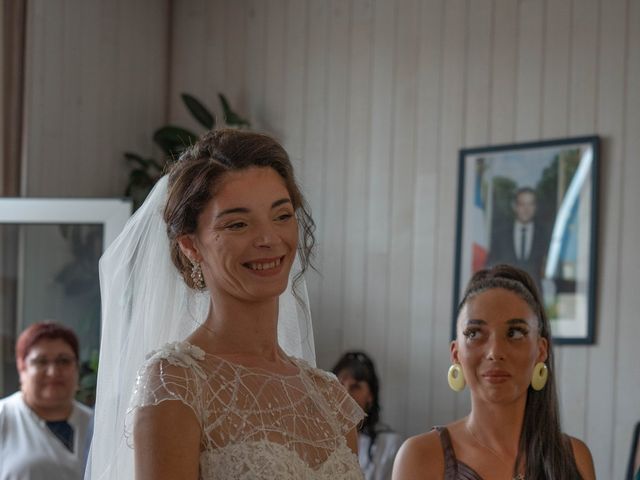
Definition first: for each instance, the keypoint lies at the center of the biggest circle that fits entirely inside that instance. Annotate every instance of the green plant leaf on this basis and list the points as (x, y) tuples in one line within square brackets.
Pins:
[(135, 158), (173, 140), (230, 117), (199, 111)]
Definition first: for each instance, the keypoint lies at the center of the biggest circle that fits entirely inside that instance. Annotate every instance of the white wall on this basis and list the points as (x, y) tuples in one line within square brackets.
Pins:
[(95, 86), (373, 99)]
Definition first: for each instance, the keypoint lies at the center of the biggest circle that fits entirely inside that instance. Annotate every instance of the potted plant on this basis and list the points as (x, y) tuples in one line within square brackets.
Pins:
[(173, 140)]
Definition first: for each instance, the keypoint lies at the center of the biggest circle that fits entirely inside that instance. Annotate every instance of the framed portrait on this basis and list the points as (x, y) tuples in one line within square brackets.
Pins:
[(534, 206)]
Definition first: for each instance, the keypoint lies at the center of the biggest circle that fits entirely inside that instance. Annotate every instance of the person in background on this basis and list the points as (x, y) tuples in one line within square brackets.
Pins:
[(503, 352), (44, 432), (377, 443)]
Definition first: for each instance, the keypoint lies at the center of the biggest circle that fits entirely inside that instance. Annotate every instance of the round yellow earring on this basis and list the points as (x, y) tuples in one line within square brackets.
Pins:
[(455, 377), (539, 377)]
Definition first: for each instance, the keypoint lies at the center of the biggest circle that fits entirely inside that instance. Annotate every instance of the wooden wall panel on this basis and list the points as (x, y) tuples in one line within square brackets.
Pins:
[(582, 121), (95, 86), (626, 389), (334, 161), (424, 379), (600, 410), (379, 179), (402, 212), (452, 91), (356, 169)]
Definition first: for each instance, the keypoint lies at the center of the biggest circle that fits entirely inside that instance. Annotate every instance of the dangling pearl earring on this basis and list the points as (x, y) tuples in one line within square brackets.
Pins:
[(196, 276)]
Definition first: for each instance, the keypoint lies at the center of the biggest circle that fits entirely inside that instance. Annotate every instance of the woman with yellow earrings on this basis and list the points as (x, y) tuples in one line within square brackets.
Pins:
[(502, 352)]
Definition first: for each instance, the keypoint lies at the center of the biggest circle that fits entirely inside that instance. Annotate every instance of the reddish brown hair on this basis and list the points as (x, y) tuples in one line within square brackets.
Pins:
[(46, 330)]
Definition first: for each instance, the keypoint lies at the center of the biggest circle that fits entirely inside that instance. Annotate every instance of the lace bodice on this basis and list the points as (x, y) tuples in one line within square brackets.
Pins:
[(255, 424)]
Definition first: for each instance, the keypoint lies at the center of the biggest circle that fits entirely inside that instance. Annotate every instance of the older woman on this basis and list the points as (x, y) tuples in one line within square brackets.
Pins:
[(44, 432), (225, 398), (503, 353)]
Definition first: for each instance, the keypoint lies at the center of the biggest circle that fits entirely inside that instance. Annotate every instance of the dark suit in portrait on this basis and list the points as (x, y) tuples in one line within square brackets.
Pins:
[(522, 241), (507, 245)]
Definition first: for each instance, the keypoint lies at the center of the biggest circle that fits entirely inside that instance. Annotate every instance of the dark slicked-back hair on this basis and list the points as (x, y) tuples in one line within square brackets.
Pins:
[(46, 330), (545, 451), (195, 177)]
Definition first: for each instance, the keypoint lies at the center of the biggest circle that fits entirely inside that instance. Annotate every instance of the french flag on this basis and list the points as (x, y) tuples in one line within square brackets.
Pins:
[(479, 242)]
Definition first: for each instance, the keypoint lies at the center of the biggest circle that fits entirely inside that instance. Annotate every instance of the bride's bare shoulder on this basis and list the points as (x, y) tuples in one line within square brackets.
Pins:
[(420, 457)]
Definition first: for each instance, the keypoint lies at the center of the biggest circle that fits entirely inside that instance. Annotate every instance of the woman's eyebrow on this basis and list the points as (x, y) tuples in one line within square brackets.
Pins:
[(517, 321), (229, 211), (282, 201), (475, 321)]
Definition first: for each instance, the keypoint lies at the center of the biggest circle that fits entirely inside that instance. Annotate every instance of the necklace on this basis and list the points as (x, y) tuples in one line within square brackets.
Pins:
[(519, 476)]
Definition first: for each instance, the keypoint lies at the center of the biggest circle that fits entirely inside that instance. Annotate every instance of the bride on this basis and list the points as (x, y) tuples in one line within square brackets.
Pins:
[(230, 399)]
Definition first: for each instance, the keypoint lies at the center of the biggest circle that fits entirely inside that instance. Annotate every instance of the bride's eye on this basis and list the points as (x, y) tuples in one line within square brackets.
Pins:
[(235, 226)]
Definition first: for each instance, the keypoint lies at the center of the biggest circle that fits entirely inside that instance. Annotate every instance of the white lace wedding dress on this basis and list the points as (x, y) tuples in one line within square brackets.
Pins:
[(255, 424)]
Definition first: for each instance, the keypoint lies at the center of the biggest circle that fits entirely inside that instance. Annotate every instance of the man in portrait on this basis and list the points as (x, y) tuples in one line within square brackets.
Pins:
[(523, 241)]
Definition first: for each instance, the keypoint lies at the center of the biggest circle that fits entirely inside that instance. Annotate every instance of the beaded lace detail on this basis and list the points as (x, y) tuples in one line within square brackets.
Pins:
[(255, 424)]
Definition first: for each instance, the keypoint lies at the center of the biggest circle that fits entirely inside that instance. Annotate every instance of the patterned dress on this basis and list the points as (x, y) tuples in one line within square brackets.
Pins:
[(255, 424)]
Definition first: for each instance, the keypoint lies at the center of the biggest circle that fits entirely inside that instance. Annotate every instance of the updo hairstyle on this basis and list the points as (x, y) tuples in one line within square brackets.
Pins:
[(195, 177)]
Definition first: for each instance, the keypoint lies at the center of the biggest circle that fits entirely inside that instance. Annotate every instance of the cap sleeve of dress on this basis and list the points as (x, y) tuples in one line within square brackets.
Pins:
[(347, 412), (173, 372)]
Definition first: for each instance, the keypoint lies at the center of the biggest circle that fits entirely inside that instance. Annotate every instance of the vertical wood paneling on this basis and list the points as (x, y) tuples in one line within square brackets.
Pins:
[(451, 137), (294, 82), (530, 70), (235, 50), (273, 121), (477, 100), (582, 120), (555, 86), (395, 373), (504, 67), (333, 233), (187, 44), (95, 86), (422, 383), (256, 62), (627, 373), (313, 164), (377, 281), (600, 383), (357, 167)]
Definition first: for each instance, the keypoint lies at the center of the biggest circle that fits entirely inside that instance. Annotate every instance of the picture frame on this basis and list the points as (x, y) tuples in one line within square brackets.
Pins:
[(534, 205)]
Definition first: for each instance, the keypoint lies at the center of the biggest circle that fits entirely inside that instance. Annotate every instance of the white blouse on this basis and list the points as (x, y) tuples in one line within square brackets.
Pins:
[(30, 451)]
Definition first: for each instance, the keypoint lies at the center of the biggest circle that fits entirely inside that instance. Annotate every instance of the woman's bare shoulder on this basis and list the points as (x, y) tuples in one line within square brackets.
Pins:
[(584, 461), (420, 457)]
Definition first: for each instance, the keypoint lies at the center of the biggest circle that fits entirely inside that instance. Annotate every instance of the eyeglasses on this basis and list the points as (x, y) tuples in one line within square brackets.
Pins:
[(62, 362)]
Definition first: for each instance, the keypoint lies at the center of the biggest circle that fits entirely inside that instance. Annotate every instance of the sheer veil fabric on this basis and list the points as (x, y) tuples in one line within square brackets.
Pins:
[(145, 304)]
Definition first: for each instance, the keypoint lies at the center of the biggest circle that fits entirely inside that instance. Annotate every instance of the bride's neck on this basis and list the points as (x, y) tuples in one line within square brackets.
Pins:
[(248, 328)]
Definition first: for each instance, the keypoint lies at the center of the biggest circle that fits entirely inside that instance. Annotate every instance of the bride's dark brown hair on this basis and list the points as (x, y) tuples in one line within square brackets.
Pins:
[(194, 178)]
